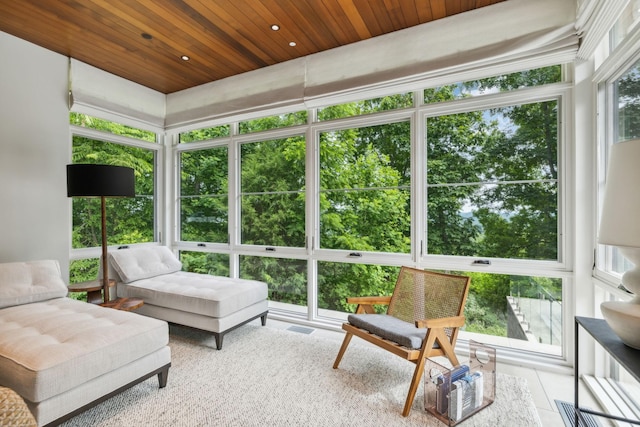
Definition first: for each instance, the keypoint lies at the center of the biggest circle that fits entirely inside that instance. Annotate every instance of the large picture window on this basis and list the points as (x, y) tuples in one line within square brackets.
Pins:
[(272, 183), (330, 202), (129, 220), (492, 182), (365, 188), (204, 199), (625, 112)]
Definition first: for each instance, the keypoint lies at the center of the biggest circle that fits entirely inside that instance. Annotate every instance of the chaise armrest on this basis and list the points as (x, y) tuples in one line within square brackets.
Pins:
[(365, 304)]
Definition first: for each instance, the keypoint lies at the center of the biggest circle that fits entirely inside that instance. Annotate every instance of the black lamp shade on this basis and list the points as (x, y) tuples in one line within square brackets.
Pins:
[(88, 180)]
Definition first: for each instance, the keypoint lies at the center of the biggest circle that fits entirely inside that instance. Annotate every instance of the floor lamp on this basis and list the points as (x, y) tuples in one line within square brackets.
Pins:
[(89, 180)]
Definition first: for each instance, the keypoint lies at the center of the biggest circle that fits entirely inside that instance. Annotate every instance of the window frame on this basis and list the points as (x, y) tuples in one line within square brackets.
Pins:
[(560, 92), (222, 142), (346, 123), (157, 148), (612, 69)]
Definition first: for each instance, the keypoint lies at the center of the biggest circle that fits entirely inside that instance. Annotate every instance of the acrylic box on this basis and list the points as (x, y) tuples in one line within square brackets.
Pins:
[(453, 394)]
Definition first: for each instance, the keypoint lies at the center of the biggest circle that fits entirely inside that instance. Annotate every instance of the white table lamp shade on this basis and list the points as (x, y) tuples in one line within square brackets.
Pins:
[(620, 218), (620, 226)]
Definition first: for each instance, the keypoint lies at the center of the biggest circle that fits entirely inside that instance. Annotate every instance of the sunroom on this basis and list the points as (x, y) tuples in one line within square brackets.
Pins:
[(483, 154)]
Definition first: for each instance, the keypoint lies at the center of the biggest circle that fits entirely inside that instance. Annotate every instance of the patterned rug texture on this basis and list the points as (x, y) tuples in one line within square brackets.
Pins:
[(269, 377)]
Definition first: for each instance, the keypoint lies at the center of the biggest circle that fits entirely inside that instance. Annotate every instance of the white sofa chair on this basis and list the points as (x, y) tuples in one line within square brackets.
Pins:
[(63, 356), (212, 303)]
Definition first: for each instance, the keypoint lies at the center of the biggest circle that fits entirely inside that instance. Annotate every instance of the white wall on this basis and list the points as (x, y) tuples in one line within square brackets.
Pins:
[(34, 151)]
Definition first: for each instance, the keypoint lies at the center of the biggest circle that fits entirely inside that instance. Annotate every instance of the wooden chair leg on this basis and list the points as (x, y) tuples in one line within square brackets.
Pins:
[(343, 348), (413, 388), (446, 347)]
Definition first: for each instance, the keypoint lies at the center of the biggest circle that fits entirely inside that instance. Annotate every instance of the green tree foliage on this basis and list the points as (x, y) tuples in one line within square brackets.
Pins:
[(628, 120), (111, 127), (204, 200), (507, 174), (370, 106), (483, 319), (287, 278), (273, 122), (364, 200), (337, 281), (129, 220), (453, 152), (205, 263), (205, 134), (491, 192), (273, 192)]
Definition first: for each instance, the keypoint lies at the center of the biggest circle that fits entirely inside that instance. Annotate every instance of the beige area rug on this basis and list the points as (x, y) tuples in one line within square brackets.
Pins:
[(269, 377)]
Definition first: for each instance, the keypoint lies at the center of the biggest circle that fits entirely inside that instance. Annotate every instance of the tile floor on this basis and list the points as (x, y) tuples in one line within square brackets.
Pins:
[(545, 387)]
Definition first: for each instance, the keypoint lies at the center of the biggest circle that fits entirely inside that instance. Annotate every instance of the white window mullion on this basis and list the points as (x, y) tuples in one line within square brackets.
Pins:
[(418, 183), (312, 212), (234, 203), (164, 190)]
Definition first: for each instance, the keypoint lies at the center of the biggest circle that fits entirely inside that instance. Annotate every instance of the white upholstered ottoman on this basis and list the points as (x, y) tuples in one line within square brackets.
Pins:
[(212, 303)]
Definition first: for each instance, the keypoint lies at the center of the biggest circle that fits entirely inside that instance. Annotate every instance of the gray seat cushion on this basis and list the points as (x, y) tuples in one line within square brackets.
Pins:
[(390, 328)]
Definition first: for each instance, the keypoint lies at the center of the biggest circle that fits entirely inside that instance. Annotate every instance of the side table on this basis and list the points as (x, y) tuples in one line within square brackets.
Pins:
[(93, 288), (124, 304), (627, 357)]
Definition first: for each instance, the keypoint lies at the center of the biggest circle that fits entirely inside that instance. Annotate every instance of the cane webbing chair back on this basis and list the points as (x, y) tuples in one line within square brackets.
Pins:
[(423, 294), (424, 315)]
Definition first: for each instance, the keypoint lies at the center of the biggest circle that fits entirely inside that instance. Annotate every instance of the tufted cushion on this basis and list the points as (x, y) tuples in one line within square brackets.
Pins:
[(27, 282), (68, 343), (390, 328), (215, 296), (143, 263)]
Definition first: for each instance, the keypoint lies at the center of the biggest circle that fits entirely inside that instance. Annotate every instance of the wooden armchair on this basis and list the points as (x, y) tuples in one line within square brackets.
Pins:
[(423, 318)]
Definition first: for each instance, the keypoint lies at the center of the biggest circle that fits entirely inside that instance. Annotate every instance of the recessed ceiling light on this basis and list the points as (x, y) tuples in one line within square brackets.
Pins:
[(292, 44), (185, 58), (275, 27)]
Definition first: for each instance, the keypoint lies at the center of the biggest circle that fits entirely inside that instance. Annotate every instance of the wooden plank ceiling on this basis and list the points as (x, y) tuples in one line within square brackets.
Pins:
[(144, 40)]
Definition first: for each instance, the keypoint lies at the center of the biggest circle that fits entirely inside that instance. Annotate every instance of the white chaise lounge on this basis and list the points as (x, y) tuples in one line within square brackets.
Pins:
[(212, 303), (63, 356)]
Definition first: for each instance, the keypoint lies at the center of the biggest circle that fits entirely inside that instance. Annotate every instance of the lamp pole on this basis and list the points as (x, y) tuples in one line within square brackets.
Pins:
[(105, 263)]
